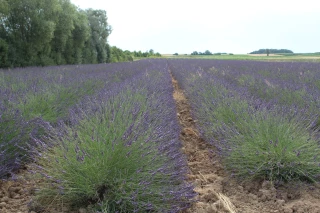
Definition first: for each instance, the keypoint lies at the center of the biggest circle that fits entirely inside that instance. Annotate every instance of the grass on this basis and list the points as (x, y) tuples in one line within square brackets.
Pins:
[(300, 57)]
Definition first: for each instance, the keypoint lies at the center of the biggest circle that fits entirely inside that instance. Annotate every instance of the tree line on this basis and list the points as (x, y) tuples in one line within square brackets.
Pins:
[(271, 51), (149, 53), (54, 32), (207, 52)]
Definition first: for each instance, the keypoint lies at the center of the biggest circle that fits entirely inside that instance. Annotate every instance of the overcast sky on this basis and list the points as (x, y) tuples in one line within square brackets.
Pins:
[(232, 26)]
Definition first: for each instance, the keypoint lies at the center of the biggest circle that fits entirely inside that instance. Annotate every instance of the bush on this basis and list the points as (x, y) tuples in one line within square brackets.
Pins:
[(257, 138), (15, 141), (272, 146), (259, 142), (10, 126), (115, 158)]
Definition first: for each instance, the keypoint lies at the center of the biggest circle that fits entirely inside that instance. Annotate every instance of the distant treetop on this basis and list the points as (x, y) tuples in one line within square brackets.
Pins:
[(207, 52), (271, 51)]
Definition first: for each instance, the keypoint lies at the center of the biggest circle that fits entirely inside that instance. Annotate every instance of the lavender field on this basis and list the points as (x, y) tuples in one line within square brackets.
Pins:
[(263, 117), (106, 137)]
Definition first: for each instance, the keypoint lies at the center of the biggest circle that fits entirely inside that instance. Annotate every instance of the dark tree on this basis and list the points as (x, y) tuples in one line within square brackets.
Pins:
[(264, 51), (3, 53), (207, 52)]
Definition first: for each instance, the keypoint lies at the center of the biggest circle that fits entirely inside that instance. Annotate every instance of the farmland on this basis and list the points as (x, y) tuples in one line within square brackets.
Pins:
[(305, 57), (161, 135)]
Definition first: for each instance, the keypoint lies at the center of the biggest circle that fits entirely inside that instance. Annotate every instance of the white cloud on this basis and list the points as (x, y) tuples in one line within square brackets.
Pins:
[(221, 26)]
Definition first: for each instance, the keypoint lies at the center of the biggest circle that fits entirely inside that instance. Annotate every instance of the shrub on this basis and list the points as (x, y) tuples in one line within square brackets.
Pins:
[(272, 146), (261, 130), (14, 141), (118, 157)]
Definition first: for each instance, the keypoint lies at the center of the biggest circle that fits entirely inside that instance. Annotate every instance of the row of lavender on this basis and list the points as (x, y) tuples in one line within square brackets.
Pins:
[(262, 117), (49, 93), (115, 150)]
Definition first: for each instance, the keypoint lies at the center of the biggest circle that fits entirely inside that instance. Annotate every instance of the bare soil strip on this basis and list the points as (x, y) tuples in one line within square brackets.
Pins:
[(217, 192), (205, 172), (15, 195)]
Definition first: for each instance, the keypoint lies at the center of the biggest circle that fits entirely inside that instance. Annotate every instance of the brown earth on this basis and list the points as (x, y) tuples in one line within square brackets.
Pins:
[(16, 196), (217, 192)]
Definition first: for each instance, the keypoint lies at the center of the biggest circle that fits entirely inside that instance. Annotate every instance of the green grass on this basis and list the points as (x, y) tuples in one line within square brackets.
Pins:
[(303, 57)]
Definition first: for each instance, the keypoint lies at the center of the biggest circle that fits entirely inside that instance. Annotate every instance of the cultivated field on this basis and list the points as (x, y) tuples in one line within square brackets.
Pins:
[(161, 135), (257, 57)]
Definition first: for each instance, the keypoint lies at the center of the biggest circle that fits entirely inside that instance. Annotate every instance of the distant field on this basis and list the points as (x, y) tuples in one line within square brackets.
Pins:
[(260, 57)]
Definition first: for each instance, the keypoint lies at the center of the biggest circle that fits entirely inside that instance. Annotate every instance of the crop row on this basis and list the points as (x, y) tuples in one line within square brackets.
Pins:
[(263, 127), (49, 93), (113, 147), (106, 137)]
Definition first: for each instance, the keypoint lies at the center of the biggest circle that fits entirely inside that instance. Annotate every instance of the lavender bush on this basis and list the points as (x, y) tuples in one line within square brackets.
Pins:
[(257, 137), (30, 94), (122, 153)]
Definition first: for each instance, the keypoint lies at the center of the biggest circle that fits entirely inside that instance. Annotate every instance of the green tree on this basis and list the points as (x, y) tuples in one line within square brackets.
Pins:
[(3, 53), (207, 52), (100, 30), (65, 17), (75, 45), (28, 29), (108, 51), (4, 10), (118, 55)]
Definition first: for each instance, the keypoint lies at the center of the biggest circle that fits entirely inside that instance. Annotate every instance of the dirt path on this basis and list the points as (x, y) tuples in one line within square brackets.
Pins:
[(15, 195), (206, 173), (219, 193)]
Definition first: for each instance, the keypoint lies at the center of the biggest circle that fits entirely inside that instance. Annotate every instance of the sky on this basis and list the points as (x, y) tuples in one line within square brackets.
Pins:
[(230, 26)]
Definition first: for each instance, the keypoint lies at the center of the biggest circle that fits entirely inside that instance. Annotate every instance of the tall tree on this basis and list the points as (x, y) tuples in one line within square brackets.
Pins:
[(28, 29), (73, 53), (65, 18), (100, 30), (3, 53), (4, 10), (50, 32)]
